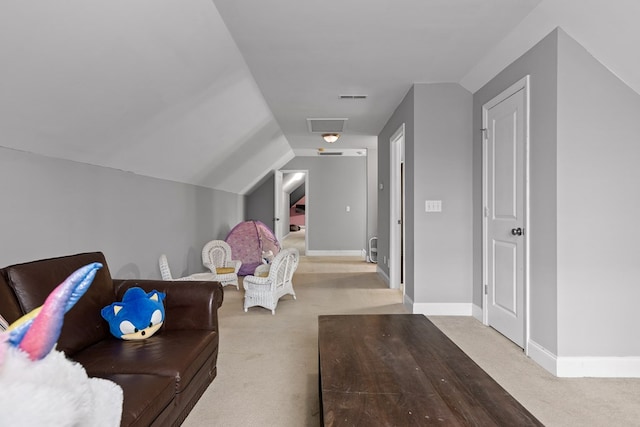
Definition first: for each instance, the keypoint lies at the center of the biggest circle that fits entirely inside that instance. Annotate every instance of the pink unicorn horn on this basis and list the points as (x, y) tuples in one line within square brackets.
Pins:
[(45, 328)]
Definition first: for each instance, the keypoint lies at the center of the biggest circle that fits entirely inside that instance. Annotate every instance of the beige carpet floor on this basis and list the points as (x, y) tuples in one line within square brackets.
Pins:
[(268, 364)]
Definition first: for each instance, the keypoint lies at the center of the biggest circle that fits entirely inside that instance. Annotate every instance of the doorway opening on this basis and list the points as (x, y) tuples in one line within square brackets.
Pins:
[(291, 204)]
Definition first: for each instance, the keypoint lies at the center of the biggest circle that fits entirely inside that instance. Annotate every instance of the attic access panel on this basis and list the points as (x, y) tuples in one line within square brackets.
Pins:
[(327, 125)]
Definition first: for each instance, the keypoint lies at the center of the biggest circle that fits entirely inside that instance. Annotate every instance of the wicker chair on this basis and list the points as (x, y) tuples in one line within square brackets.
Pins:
[(165, 272), (267, 291), (294, 255), (216, 256)]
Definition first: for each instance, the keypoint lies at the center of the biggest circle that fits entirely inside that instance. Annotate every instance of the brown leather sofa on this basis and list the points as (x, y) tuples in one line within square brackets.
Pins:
[(162, 376)]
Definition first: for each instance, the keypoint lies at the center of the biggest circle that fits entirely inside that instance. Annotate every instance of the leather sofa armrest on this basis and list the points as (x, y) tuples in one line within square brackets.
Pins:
[(188, 304)]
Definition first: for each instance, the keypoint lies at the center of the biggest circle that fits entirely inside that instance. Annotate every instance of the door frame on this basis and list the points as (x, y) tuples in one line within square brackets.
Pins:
[(396, 211), (278, 201), (278, 190), (522, 84)]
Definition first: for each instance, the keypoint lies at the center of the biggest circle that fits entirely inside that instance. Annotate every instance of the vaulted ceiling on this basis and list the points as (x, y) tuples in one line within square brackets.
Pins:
[(216, 93)]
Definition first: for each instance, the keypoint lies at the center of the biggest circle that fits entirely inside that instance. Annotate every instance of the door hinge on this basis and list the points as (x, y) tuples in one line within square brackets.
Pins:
[(485, 133), (485, 212), (486, 289)]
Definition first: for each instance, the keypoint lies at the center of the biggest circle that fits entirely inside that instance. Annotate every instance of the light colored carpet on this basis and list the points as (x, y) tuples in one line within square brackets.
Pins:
[(268, 365), (296, 239)]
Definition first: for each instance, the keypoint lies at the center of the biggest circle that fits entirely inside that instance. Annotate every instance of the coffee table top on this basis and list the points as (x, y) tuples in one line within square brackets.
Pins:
[(400, 369)]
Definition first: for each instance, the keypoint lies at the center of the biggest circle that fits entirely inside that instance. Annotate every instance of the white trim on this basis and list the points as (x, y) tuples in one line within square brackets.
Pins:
[(476, 311), (382, 273), (306, 209), (307, 189), (599, 367), (407, 302), (542, 356), (581, 367), (522, 84), (278, 205), (396, 143), (443, 309), (356, 252)]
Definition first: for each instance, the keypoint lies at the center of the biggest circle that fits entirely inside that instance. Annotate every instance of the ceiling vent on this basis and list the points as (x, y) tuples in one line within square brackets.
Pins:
[(329, 153), (327, 125), (353, 96)]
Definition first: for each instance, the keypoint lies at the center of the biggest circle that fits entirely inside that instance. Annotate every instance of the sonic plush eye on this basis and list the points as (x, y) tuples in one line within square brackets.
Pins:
[(156, 318), (127, 327)]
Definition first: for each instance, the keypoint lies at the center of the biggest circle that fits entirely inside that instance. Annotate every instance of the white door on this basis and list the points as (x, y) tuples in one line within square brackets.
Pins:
[(278, 208), (505, 143)]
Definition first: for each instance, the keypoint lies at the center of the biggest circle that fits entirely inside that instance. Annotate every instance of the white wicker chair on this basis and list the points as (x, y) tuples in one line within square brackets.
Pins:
[(165, 272), (267, 291), (294, 255), (216, 255)]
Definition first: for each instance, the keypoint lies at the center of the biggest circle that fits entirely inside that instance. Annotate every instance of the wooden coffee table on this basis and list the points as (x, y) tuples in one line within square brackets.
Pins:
[(401, 370)]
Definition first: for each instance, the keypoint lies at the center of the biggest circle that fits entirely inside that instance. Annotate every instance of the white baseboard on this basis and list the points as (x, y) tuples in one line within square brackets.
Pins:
[(476, 311), (599, 367), (384, 275), (408, 303), (543, 357), (356, 252), (443, 309), (590, 367)]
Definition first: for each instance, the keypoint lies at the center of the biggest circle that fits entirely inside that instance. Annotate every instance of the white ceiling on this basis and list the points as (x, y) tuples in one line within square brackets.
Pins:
[(155, 87), (217, 93), (305, 54)]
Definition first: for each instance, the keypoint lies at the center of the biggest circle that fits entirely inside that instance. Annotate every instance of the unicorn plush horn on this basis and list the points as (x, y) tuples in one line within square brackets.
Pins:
[(37, 332), (40, 386)]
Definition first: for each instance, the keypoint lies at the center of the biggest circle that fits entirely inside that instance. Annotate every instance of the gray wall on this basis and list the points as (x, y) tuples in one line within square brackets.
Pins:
[(583, 145), (598, 174), (438, 165), (442, 167), (297, 194), (404, 113), (334, 183), (56, 207), (260, 203), (541, 64)]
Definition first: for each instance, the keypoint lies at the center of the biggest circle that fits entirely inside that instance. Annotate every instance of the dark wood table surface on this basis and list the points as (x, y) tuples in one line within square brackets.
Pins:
[(401, 370)]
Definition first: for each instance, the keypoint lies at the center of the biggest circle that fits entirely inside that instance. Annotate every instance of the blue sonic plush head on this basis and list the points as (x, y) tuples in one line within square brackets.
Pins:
[(138, 316)]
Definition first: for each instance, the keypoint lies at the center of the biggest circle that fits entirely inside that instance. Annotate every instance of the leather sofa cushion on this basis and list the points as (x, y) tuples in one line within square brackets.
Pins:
[(145, 396), (177, 354), (9, 307), (83, 325), (181, 311)]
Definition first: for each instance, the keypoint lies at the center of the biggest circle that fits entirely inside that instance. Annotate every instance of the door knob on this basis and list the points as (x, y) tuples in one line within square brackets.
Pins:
[(516, 231)]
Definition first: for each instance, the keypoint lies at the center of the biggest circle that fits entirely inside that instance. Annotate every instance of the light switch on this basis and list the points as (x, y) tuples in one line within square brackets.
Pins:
[(433, 206), (348, 208)]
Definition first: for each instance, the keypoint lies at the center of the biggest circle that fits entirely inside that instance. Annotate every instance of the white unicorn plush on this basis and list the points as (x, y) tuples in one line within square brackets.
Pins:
[(39, 386)]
